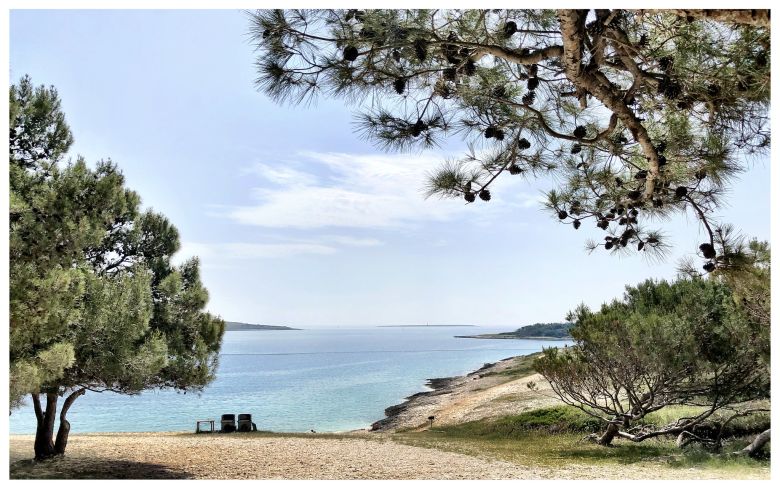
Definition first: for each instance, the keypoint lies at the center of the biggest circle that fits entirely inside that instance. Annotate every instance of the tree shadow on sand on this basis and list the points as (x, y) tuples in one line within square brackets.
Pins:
[(93, 468)]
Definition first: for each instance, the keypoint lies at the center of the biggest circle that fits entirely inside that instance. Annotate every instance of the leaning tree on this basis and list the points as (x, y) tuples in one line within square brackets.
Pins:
[(638, 114), (96, 304), (685, 343)]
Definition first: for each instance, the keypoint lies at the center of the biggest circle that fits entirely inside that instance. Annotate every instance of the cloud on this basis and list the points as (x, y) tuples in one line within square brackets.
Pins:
[(220, 252), (351, 241), (249, 251), (281, 175), (321, 190)]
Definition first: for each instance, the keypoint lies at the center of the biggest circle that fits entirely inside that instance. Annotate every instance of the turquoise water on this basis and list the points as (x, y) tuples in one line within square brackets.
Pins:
[(320, 379)]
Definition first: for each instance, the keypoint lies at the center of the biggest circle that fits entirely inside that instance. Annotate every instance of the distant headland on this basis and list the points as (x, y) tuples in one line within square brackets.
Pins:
[(233, 326), (537, 331), (428, 326)]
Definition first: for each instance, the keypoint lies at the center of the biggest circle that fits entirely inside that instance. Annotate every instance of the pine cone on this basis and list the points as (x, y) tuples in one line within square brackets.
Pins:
[(707, 250), (421, 49), (470, 67), (523, 143), (509, 29), (350, 53), (400, 85)]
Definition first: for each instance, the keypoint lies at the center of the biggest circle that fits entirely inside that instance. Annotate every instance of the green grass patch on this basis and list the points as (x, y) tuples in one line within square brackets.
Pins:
[(558, 419), (561, 450), (751, 424), (521, 367)]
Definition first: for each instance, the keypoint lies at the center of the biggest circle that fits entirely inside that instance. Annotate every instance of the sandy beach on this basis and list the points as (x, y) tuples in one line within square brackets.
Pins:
[(249, 456), (261, 456)]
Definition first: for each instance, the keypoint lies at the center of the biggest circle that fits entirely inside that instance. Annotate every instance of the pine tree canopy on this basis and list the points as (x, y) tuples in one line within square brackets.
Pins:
[(96, 303), (637, 115)]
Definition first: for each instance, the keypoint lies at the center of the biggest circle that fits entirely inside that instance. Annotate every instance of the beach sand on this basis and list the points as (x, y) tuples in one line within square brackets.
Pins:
[(264, 456), (253, 456)]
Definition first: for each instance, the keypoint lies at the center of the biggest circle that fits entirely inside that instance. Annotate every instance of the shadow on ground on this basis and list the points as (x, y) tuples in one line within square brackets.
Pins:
[(93, 468)]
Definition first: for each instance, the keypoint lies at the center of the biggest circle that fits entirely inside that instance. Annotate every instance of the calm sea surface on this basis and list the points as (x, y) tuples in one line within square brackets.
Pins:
[(320, 379)]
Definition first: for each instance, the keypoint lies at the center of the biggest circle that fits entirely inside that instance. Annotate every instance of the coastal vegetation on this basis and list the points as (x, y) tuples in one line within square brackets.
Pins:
[(96, 303), (690, 342), (557, 436), (554, 439), (532, 331)]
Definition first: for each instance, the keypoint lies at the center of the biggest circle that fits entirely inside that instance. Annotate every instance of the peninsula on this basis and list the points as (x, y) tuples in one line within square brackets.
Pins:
[(536, 331), (234, 326)]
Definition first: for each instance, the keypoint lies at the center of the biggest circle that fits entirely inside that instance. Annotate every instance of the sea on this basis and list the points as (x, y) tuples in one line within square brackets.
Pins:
[(325, 380)]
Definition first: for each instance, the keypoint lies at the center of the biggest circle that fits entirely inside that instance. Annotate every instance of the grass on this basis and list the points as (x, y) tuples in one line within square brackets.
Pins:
[(558, 419), (553, 437), (521, 367)]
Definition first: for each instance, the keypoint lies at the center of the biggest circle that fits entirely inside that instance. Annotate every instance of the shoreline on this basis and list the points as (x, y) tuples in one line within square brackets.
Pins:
[(444, 393), (437, 385), (495, 389)]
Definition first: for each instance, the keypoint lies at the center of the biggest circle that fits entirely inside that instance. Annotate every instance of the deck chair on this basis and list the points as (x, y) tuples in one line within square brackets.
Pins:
[(245, 423), (228, 423)]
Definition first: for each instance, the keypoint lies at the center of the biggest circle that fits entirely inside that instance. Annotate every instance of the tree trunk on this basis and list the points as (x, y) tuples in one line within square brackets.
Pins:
[(572, 24), (64, 429), (44, 433), (757, 444), (609, 435)]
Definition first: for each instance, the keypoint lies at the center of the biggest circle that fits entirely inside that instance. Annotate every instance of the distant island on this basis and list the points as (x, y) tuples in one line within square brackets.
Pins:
[(536, 331), (233, 326), (428, 326)]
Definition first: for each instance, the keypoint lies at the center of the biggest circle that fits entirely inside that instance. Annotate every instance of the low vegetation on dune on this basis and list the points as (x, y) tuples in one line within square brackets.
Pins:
[(556, 437)]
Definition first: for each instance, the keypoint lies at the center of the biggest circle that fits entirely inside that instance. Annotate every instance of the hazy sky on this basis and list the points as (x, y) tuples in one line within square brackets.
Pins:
[(296, 220)]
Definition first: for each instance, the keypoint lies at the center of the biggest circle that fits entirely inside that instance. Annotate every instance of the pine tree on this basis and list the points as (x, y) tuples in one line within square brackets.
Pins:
[(685, 343), (639, 114), (95, 302)]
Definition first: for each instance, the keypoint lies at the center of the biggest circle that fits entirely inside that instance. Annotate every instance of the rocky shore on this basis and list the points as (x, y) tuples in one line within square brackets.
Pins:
[(495, 389)]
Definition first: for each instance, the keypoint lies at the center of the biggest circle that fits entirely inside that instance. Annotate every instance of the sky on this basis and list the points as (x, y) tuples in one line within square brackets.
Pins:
[(296, 220)]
